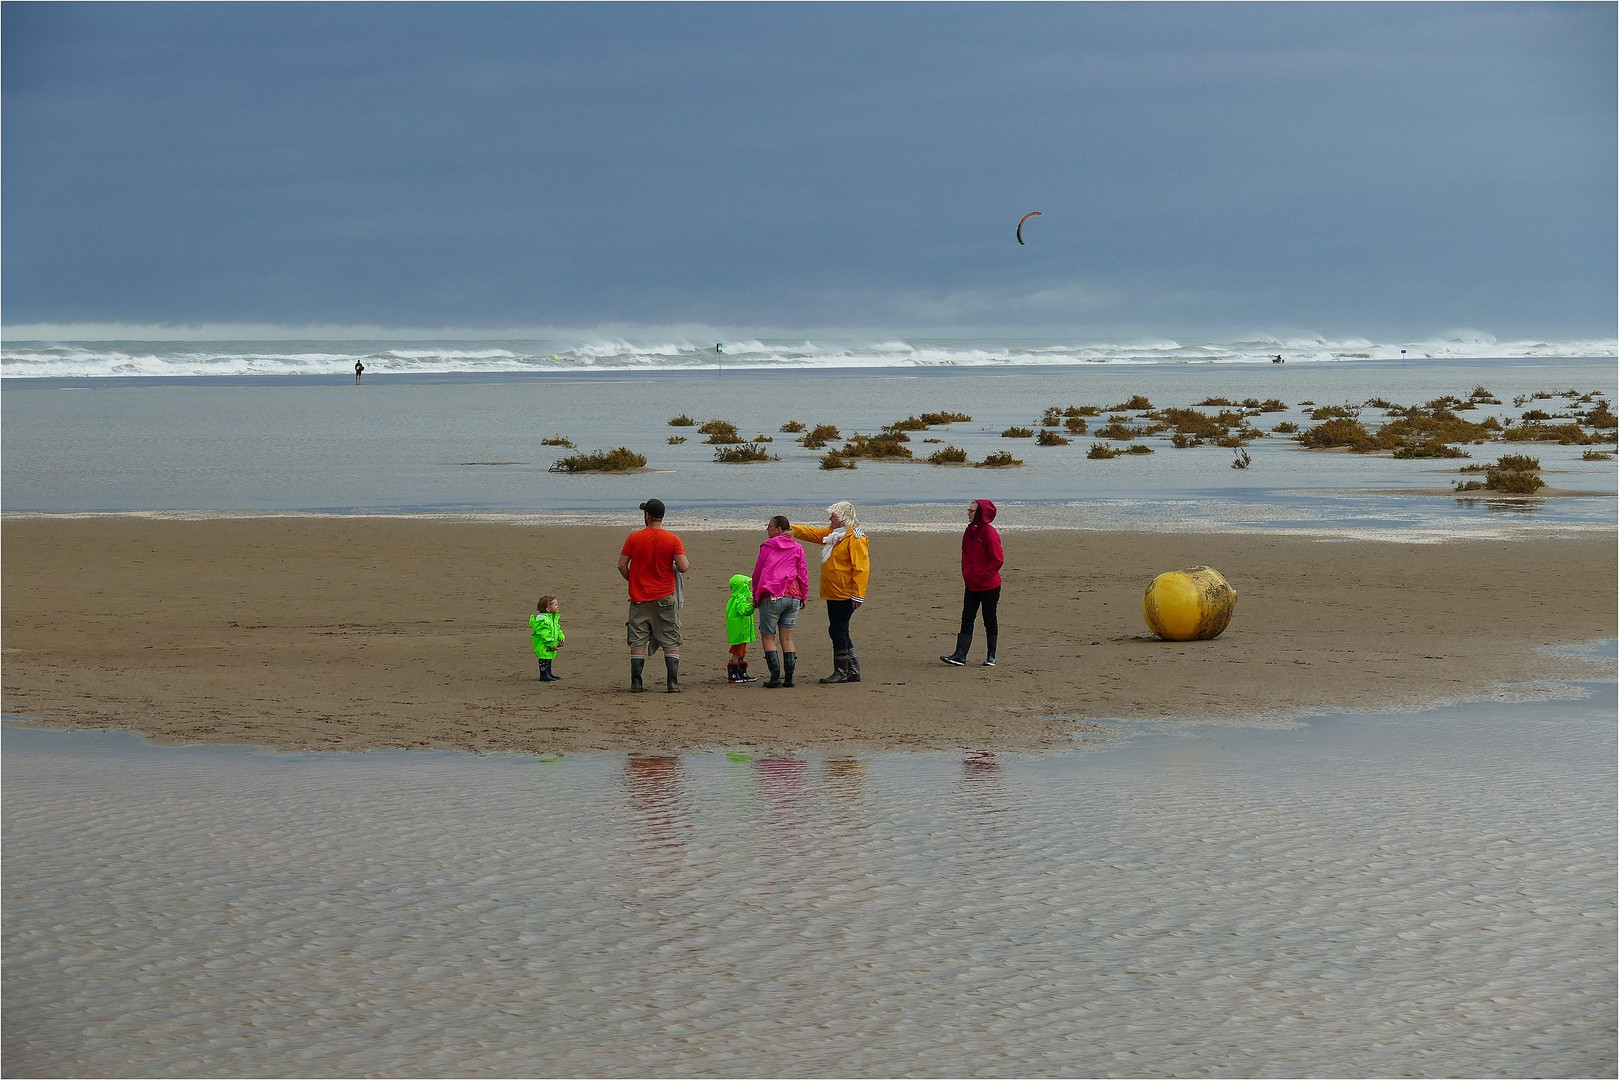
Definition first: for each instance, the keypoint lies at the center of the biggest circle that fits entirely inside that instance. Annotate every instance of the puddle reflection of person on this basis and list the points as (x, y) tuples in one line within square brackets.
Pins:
[(788, 801), (845, 776), (653, 785), (981, 765)]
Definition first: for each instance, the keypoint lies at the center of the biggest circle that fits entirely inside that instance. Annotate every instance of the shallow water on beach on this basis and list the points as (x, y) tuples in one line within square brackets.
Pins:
[(471, 444), (1402, 894)]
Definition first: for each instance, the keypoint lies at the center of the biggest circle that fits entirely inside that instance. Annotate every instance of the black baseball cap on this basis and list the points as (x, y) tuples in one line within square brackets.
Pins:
[(653, 507)]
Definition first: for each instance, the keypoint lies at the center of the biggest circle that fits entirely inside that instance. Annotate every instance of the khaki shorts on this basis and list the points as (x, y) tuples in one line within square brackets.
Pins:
[(653, 625)]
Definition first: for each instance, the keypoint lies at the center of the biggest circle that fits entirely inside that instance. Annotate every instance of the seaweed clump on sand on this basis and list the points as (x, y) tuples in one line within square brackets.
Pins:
[(1512, 474), (950, 455), (623, 459), (1435, 422), (1226, 428), (1570, 434), (1117, 429), (721, 432), (818, 436), (743, 453), (1000, 459), (890, 444), (1339, 433)]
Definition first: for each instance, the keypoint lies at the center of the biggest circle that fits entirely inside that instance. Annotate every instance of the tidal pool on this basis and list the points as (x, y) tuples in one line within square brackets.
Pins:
[(1401, 894)]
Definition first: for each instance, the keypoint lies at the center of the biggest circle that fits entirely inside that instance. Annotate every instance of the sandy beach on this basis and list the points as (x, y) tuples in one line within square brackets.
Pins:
[(367, 633)]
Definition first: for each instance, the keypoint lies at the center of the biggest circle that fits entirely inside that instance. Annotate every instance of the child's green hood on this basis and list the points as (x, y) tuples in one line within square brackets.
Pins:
[(742, 586)]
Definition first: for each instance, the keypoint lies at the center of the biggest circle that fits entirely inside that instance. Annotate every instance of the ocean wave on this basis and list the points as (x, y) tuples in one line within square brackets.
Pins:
[(104, 359)]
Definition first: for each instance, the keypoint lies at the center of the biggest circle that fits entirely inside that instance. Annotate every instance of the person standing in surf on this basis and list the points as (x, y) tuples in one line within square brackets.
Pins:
[(845, 574), (981, 562)]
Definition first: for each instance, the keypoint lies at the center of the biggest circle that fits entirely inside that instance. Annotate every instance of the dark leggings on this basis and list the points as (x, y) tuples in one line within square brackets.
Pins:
[(970, 603), (838, 614)]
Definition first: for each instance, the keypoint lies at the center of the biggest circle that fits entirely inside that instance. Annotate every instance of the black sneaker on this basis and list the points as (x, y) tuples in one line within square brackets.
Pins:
[(953, 662)]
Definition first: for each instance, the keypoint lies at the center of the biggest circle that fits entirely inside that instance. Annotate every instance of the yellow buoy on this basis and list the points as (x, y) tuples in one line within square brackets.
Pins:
[(1193, 604)]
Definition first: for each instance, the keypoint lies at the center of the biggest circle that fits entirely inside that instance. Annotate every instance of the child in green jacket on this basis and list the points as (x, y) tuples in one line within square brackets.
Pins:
[(739, 628), (545, 632)]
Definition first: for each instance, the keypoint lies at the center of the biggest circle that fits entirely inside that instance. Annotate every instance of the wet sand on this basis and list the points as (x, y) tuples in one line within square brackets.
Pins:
[(364, 633)]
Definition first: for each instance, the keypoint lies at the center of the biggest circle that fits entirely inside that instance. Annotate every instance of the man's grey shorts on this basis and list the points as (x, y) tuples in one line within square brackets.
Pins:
[(778, 611), (655, 623)]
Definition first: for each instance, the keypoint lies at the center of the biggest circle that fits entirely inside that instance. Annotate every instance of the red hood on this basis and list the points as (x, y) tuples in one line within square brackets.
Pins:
[(986, 511)]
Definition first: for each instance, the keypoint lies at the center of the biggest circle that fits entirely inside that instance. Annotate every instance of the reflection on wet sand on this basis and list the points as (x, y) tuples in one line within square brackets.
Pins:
[(1443, 882)]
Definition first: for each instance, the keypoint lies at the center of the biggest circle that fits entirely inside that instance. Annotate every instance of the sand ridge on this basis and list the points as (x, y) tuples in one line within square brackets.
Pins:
[(364, 633)]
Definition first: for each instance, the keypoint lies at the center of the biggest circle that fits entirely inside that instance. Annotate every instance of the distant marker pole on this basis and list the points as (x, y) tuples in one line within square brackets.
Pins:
[(719, 354)]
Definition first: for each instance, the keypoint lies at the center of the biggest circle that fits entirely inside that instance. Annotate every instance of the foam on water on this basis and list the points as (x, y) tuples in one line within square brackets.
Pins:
[(595, 352), (1428, 894)]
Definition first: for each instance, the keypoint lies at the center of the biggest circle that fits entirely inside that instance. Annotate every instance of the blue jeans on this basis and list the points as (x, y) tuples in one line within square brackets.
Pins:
[(778, 613)]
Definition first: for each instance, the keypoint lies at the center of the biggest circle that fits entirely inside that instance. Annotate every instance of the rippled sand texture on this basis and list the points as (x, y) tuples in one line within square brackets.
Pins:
[(1394, 895)]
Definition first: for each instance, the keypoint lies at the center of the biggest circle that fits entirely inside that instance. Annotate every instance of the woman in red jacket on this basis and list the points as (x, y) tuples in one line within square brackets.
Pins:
[(981, 561)]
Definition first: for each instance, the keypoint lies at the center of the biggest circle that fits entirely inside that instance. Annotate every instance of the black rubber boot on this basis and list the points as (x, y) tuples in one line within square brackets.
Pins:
[(731, 675), (671, 666), (852, 671), (742, 675), (959, 657), (773, 662), (637, 664), (546, 674), (789, 663), (840, 673), (989, 661)]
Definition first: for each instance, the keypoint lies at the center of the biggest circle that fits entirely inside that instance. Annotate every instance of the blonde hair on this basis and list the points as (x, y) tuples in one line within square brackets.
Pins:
[(845, 513)]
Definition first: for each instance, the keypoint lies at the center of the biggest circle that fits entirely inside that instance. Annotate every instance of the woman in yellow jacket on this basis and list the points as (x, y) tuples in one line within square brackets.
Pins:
[(845, 572)]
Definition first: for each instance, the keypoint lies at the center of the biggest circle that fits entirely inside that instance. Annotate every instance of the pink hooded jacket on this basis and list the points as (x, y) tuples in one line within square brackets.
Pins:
[(780, 569), (981, 557)]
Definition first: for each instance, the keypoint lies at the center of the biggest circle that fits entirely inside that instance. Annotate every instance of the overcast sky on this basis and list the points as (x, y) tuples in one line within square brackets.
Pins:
[(1203, 169)]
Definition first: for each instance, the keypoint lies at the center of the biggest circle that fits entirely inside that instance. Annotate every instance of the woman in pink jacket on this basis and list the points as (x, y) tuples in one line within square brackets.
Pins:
[(780, 588), (981, 561)]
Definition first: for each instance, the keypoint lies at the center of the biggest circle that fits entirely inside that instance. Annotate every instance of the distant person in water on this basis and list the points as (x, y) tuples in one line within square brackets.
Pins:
[(359, 369), (845, 574), (651, 560), (981, 562)]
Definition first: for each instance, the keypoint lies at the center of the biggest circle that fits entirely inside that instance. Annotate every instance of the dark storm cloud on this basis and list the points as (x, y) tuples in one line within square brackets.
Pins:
[(1353, 168)]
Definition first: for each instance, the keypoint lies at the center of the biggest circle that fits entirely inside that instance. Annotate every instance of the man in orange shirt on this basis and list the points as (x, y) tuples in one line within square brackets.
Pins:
[(649, 561)]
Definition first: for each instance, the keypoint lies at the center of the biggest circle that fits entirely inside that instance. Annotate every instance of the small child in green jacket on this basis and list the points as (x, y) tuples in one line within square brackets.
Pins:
[(739, 628), (545, 632)]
